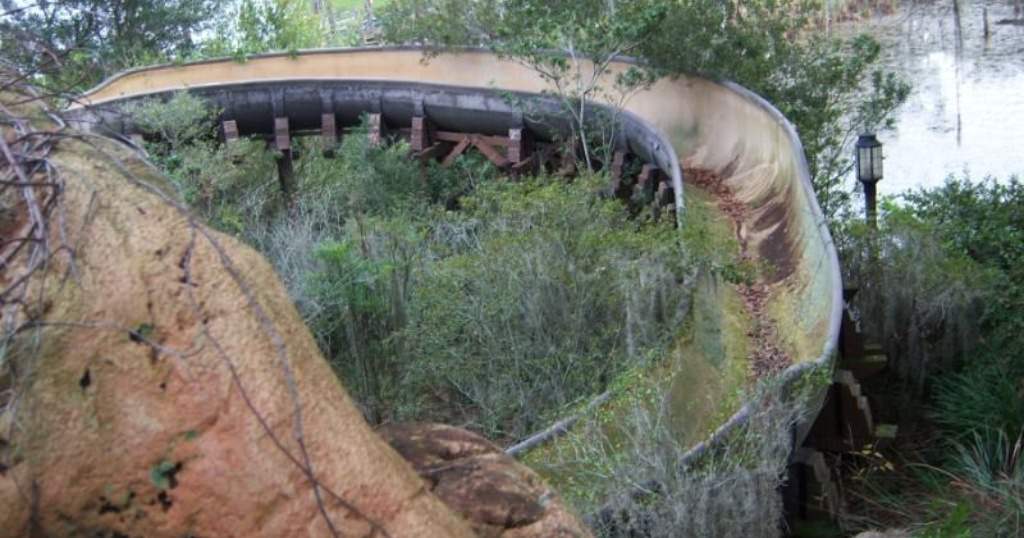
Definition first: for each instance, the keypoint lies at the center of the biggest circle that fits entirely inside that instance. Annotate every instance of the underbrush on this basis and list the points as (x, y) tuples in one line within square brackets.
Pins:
[(943, 282), (445, 294), (633, 482)]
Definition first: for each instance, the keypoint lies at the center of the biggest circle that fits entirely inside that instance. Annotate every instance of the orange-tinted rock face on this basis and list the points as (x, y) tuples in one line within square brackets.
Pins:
[(497, 495), (176, 392)]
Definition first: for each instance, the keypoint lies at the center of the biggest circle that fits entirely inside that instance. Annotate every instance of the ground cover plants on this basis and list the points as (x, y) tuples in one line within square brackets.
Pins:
[(452, 295)]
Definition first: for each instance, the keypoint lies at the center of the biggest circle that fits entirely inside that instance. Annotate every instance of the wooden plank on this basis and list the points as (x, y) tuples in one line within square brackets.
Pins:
[(449, 136), (285, 174), (459, 149), (433, 152), (480, 143)]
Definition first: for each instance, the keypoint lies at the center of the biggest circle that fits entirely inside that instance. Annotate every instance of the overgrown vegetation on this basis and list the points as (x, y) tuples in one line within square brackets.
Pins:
[(526, 298), (943, 283), (831, 88), (625, 471)]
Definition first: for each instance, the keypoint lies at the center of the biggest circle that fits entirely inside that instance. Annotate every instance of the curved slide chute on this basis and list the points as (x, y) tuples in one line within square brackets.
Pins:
[(683, 122)]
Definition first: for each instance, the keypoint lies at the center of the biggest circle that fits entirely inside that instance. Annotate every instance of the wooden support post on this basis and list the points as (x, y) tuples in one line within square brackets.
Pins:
[(810, 493), (419, 138), (520, 146), (376, 125), (617, 174), (282, 138), (845, 422), (328, 133), (643, 191), (230, 128), (283, 145)]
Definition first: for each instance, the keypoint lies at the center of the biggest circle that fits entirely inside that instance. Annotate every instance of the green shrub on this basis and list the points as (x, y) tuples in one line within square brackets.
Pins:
[(230, 185), (442, 293), (542, 293)]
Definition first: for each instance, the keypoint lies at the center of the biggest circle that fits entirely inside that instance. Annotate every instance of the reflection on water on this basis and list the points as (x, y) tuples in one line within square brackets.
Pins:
[(966, 111)]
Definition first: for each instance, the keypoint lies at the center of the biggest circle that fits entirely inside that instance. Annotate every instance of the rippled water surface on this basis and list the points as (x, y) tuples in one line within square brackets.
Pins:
[(967, 107)]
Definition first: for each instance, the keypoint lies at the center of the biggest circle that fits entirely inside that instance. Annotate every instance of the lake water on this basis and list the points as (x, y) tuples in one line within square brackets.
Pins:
[(966, 112)]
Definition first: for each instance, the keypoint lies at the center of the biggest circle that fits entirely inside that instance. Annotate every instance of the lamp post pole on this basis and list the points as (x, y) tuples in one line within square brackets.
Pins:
[(871, 204), (869, 172)]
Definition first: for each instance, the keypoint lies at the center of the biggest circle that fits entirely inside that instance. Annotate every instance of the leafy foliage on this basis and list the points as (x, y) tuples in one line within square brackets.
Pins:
[(443, 294), (829, 87), (78, 42), (570, 44), (943, 278), (257, 26), (227, 184)]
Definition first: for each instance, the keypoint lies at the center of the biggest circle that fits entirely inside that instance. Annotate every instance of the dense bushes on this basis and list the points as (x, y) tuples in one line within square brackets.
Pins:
[(942, 281), (444, 294)]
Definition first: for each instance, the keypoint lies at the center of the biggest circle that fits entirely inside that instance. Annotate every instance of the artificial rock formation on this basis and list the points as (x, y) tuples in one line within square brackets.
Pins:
[(498, 496), (164, 385)]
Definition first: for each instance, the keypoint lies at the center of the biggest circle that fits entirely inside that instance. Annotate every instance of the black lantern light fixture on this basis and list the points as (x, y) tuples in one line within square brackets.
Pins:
[(869, 170)]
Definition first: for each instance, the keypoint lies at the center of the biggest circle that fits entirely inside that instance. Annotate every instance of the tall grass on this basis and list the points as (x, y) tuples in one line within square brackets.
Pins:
[(639, 488), (446, 294)]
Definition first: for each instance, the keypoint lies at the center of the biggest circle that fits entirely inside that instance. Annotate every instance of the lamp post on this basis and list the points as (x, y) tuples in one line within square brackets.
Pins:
[(869, 171)]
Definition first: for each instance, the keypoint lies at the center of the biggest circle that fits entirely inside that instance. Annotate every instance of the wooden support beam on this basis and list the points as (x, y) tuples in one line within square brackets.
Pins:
[(810, 494), (526, 166), (230, 128), (376, 125), (435, 151), (282, 138), (617, 173), (845, 422), (644, 190), (328, 133), (448, 136), (459, 149), (482, 144)]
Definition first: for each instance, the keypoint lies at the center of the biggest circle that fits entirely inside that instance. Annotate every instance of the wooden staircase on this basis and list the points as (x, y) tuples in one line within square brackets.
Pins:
[(845, 424)]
